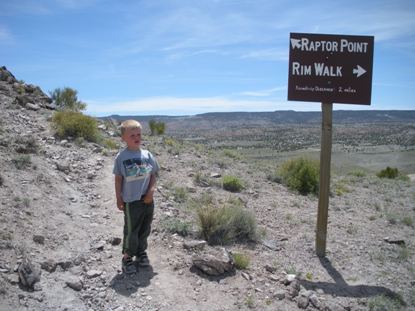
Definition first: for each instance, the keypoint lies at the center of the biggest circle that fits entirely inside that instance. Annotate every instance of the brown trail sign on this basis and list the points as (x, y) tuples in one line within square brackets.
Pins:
[(329, 69)]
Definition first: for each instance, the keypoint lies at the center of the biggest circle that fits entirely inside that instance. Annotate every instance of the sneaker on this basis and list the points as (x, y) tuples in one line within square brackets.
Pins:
[(128, 265), (142, 261)]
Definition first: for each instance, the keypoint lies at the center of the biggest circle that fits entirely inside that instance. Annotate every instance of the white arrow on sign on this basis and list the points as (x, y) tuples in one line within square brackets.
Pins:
[(359, 71), (295, 43)]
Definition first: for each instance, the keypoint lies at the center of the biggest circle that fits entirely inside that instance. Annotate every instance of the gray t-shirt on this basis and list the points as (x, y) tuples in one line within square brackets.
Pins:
[(136, 168)]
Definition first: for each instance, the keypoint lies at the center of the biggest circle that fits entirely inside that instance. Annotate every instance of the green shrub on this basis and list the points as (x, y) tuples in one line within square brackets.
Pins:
[(177, 226), (232, 154), (232, 183), (201, 180), (67, 99), (110, 144), (157, 128), (22, 161), (174, 147), (241, 261), (340, 188), (301, 175), (75, 124), (26, 144), (357, 173), (180, 194), (226, 225), (205, 199), (388, 172), (385, 303)]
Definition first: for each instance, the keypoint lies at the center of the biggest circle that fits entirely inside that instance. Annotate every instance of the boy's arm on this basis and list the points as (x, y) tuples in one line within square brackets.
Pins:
[(118, 189), (148, 198)]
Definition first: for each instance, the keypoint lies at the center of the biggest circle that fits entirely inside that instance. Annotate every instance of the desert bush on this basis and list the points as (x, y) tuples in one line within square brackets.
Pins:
[(232, 154), (180, 194), (26, 144), (240, 260), (173, 146), (205, 199), (232, 183), (157, 128), (291, 270), (225, 225), (383, 303), (75, 124), (357, 173), (301, 175), (176, 226), (22, 161), (201, 180), (109, 143), (388, 172), (1, 180), (391, 216), (67, 99), (340, 188)]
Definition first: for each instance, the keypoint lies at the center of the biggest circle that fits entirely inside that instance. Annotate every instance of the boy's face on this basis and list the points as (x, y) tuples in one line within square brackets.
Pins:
[(133, 138)]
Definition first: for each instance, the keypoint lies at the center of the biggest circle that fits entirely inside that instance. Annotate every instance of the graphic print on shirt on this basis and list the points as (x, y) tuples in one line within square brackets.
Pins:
[(137, 169)]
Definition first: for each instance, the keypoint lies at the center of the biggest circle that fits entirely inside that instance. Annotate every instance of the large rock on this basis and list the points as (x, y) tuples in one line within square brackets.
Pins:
[(214, 264), (6, 75)]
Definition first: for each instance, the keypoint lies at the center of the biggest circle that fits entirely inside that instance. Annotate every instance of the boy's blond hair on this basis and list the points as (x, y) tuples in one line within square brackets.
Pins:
[(129, 124)]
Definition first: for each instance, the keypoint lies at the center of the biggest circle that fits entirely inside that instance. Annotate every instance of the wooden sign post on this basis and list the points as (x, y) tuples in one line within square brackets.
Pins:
[(325, 161), (329, 69)]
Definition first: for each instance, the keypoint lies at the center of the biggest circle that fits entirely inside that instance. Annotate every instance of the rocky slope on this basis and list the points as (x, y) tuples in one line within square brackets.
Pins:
[(60, 230)]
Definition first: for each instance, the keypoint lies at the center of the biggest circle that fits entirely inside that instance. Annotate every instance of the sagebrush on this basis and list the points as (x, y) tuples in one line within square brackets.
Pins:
[(388, 172), (75, 124), (301, 174), (232, 183), (225, 225)]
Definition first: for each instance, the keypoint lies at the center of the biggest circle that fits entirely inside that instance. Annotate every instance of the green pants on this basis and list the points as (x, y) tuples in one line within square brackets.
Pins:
[(138, 217)]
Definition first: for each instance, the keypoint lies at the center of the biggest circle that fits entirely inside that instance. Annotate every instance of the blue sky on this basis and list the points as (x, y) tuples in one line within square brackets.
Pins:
[(180, 57)]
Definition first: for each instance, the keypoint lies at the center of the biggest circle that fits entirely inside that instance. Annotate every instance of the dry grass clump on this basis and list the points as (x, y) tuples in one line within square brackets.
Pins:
[(227, 224), (240, 260)]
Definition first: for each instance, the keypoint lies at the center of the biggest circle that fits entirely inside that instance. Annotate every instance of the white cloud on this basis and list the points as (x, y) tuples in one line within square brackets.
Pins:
[(268, 54), (178, 106), (264, 93), (192, 106)]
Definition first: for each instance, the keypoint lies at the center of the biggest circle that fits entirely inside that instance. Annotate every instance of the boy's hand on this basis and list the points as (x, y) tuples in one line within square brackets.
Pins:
[(120, 205), (148, 198)]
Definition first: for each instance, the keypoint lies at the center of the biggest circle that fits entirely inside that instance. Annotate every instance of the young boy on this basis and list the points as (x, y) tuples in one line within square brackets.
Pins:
[(135, 172)]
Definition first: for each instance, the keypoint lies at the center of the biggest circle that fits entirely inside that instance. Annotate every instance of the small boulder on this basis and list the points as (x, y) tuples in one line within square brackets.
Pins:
[(216, 264), (194, 244), (74, 282), (29, 273)]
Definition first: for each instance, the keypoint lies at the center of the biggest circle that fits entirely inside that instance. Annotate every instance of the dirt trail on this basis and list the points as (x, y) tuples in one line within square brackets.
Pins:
[(167, 284)]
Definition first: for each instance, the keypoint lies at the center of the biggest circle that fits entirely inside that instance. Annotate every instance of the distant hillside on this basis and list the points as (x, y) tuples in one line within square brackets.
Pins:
[(255, 119)]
